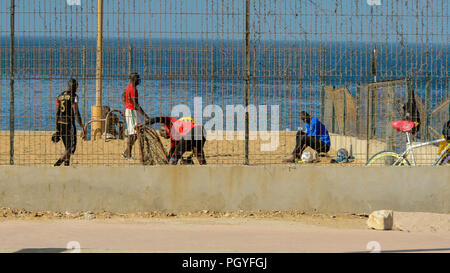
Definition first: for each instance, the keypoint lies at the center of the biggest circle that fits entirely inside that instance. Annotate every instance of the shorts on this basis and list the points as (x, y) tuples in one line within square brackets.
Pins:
[(68, 135), (132, 120)]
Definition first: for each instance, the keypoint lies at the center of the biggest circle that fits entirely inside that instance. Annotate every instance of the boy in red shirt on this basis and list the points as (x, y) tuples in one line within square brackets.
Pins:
[(132, 108), (185, 136)]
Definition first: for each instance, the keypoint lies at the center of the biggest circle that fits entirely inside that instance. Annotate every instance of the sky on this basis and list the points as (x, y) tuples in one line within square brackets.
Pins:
[(422, 21)]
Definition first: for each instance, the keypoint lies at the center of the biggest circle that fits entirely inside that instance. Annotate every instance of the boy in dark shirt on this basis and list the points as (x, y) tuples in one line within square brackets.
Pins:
[(66, 113)]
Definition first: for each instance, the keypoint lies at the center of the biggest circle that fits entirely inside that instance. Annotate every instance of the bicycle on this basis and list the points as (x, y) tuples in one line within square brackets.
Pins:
[(391, 158), (107, 120), (150, 145)]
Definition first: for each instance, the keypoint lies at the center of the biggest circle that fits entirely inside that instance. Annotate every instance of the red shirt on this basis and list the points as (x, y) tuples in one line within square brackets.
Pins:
[(178, 129), (130, 92)]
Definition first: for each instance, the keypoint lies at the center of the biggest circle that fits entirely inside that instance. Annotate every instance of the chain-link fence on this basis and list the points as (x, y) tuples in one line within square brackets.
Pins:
[(245, 70)]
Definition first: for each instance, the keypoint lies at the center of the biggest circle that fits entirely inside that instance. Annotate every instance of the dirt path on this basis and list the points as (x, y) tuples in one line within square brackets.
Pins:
[(205, 233), (328, 220)]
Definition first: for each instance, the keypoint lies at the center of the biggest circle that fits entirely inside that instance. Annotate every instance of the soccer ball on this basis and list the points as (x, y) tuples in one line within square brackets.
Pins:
[(307, 157), (342, 152)]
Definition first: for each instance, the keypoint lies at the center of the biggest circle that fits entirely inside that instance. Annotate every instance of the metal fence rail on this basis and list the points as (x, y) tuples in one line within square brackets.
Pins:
[(351, 64)]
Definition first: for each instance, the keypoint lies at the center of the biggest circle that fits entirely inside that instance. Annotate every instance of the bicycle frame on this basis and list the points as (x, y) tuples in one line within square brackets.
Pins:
[(104, 120), (442, 154), (410, 149)]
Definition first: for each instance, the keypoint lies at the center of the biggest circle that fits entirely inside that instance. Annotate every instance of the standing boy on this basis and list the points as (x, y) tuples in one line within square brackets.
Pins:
[(66, 113), (132, 108)]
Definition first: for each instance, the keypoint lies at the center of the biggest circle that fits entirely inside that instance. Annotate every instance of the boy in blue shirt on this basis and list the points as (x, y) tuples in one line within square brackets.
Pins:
[(316, 137)]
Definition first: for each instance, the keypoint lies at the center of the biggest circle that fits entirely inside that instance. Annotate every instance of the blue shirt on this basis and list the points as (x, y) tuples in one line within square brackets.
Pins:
[(317, 129)]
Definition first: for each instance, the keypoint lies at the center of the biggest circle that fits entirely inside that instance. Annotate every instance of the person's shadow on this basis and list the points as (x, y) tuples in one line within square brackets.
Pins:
[(43, 250)]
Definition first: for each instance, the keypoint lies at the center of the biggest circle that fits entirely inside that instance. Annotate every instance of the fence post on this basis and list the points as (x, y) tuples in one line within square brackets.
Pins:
[(373, 71), (389, 116), (333, 115), (11, 87), (408, 94), (373, 64), (83, 81), (358, 98), (97, 127), (372, 123), (323, 79), (427, 107), (368, 122), (212, 76), (129, 59), (345, 114), (247, 76), (408, 87)]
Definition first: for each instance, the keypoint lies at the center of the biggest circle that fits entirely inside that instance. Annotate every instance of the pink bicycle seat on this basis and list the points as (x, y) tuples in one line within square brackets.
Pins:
[(403, 126)]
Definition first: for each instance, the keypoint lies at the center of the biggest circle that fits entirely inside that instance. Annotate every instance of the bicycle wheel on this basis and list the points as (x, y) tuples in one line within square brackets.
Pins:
[(152, 150), (444, 160), (387, 158)]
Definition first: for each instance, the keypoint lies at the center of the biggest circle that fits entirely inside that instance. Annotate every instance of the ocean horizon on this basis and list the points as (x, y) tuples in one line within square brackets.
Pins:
[(285, 73)]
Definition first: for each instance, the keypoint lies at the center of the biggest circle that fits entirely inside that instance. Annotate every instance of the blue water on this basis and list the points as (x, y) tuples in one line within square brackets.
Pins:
[(176, 71)]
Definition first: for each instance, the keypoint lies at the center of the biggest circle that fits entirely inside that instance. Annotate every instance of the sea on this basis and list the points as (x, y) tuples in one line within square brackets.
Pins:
[(289, 74)]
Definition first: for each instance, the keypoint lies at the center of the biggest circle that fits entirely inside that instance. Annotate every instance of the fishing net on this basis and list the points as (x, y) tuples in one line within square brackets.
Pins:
[(327, 118), (152, 150), (380, 104), (438, 117), (340, 111)]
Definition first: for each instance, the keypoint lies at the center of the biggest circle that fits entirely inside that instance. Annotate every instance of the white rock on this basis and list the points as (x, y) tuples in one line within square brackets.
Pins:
[(381, 220)]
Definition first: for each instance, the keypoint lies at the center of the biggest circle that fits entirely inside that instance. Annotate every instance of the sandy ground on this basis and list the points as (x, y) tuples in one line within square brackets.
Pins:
[(331, 220), (36, 148), (205, 231)]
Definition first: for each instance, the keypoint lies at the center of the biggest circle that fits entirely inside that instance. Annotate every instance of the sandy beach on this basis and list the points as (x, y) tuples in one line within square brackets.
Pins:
[(36, 148)]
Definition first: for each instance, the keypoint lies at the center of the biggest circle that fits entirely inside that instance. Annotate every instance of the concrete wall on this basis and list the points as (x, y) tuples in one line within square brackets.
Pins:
[(221, 188)]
